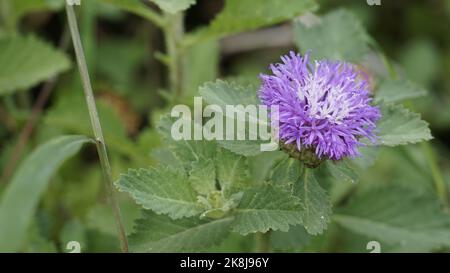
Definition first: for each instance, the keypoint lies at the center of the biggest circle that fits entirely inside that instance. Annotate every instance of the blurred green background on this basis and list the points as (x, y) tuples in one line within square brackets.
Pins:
[(131, 85)]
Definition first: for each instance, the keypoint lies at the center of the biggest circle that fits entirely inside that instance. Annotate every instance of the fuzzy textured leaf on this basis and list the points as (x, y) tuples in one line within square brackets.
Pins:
[(232, 171), (242, 147), (414, 222), (286, 173), (342, 171), (26, 61), (203, 176), (162, 189), (261, 166), (267, 207), (243, 15), (224, 93), (399, 126), (398, 90), (159, 233), (315, 202), (338, 36), (186, 151)]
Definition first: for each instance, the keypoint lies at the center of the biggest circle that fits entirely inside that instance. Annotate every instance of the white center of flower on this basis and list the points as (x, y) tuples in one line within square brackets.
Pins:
[(325, 101)]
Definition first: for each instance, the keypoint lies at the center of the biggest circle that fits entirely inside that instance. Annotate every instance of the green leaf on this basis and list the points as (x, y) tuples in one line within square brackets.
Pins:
[(217, 205), (342, 171), (242, 147), (137, 7), (398, 90), (338, 36), (118, 60), (399, 126), (267, 207), (20, 198), (415, 221), (71, 114), (201, 65), (186, 151), (316, 203), (26, 61), (261, 165), (162, 189), (174, 6), (232, 171), (223, 93), (166, 157), (20, 8), (243, 15), (159, 233), (286, 173), (203, 176)]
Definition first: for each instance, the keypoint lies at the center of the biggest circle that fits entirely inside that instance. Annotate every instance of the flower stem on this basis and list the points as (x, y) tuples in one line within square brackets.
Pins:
[(263, 242), (439, 183), (95, 122), (173, 33)]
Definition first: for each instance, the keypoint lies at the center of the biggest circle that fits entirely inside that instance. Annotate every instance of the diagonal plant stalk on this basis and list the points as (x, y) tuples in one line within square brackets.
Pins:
[(95, 122), (439, 183)]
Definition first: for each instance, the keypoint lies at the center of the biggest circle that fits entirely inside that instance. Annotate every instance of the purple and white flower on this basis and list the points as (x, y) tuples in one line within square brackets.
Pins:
[(324, 106)]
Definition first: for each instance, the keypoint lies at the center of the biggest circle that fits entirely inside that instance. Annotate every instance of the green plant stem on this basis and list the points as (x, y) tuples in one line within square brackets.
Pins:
[(263, 242), (149, 14), (439, 183), (173, 33), (95, 122)]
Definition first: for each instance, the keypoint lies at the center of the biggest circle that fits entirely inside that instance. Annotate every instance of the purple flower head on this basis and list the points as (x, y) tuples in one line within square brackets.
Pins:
[(323, 107)]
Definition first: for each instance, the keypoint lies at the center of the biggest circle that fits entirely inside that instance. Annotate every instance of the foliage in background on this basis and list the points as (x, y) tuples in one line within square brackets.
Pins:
[(395, 195)]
